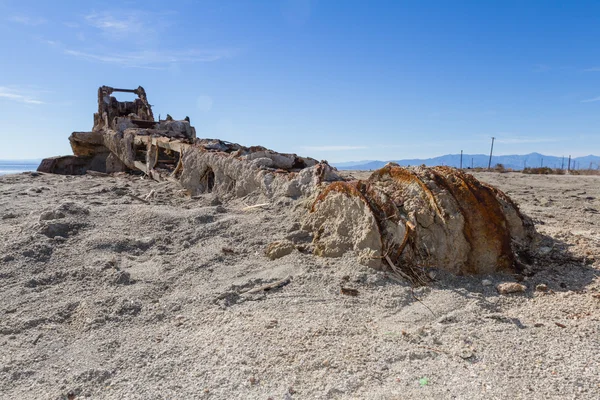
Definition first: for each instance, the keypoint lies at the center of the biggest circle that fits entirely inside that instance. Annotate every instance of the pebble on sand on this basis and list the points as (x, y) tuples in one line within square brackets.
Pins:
[(510, 287), (279, 249)]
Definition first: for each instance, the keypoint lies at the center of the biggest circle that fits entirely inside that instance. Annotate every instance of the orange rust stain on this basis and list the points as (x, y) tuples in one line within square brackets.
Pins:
[(508, 200), (403, 176), (485, 223), (349, 188), (404, 241), (381, 206)]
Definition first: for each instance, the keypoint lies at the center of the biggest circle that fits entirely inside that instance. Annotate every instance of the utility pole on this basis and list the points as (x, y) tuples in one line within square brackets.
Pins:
[(461, 159), (569, 167), (562, 164), (525, 164), (491, 151)]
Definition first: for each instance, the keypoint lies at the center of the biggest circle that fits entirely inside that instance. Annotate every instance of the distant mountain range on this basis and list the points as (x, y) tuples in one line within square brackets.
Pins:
[(518, 162)]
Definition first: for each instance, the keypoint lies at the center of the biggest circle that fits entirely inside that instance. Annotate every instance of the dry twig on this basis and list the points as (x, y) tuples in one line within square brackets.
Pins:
[(270, 286)]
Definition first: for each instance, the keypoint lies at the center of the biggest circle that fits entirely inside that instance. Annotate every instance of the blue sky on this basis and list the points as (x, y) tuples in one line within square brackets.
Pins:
[(334, 80)]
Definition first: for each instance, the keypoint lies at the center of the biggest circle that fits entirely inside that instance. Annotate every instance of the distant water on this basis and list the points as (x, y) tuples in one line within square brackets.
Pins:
[(17, 166)]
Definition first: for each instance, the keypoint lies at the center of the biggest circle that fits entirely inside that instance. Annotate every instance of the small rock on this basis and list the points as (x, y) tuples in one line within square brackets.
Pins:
[(465, 354), (545, 202), (279, 249), (215, 201), (220, 209), (510, 287), (544, 250), (486, 282), (272, 324), (50, 215), (542, 287), (299, 236), (349, 291)]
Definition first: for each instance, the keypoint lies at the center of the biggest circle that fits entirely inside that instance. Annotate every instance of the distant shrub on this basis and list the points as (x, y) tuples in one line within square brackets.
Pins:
[(544, 171), (584, 172), (500, 168)]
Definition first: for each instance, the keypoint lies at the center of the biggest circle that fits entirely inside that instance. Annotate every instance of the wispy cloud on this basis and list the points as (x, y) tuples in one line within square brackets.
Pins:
[(130, 25), (333, 148), (126, 23), (151, 59), (593, 69), (137, 34), (591, 100), (28, 20), (18, 96)]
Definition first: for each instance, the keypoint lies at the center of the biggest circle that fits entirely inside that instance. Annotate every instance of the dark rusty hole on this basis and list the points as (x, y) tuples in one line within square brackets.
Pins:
[(298, 163), (167, 159), (140, 153), (208, 180)]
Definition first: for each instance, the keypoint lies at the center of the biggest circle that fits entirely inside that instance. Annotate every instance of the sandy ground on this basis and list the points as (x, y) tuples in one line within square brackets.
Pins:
[(104, 296)]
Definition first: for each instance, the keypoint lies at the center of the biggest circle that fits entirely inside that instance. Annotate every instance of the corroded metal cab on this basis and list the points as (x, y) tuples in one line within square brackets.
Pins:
[(114, 118)]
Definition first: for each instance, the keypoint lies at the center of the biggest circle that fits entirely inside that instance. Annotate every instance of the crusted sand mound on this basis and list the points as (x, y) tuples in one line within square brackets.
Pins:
[(413, 218)]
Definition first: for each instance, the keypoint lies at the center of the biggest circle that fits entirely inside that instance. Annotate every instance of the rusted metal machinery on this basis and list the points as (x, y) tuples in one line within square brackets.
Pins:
[(412, 219), (403, 219)]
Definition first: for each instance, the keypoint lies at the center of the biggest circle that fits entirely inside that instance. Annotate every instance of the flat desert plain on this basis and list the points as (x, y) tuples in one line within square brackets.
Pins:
[(118, 287)]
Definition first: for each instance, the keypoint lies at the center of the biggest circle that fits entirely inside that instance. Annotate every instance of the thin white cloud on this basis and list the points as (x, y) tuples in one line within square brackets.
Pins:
[(333, 148), (137, 31), (591, 100), (28, 20), (18, 96), (152, 59), (593, 69), (125, 24)]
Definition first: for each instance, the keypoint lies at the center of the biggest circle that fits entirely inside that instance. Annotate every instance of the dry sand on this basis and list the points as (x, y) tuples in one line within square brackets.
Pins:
[(105, 296)]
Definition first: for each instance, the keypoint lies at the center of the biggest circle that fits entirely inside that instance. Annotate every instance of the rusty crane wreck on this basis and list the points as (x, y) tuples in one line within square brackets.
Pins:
[(401, 219)]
